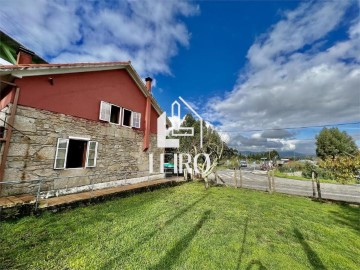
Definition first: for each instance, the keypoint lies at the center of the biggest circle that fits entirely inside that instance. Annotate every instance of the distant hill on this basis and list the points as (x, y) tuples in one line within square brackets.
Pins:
[(283, 154), (290, 154)]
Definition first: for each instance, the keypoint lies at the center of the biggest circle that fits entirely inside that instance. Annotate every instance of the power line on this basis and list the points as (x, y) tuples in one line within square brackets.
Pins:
[(301, 127)]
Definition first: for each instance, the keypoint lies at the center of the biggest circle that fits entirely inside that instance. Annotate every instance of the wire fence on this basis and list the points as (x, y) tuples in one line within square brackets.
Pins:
[(267, 181)]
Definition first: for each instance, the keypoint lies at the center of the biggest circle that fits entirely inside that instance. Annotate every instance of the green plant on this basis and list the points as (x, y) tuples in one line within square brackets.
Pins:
[(292, 167)]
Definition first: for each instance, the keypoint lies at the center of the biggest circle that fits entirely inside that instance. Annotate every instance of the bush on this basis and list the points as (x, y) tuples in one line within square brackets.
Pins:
[(292, 167), (343, 168), (321, 173)]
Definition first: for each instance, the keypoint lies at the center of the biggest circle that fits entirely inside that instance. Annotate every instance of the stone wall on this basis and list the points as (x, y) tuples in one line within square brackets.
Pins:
[(120, 158)]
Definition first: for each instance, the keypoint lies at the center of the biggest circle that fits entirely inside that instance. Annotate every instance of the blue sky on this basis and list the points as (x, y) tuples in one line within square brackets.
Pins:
[(251, 68)]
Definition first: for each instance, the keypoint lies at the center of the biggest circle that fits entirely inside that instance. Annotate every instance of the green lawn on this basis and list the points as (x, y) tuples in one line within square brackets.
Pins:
[(188, 227)]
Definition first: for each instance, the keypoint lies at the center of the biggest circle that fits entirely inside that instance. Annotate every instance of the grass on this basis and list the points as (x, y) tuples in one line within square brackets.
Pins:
[(188, 227)]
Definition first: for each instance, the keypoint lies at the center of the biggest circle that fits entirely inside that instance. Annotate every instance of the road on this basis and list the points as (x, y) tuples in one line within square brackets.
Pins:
[(258, 180)]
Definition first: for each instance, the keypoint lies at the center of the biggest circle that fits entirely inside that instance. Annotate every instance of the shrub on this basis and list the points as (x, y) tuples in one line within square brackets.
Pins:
[(292, 167), (321, 173)]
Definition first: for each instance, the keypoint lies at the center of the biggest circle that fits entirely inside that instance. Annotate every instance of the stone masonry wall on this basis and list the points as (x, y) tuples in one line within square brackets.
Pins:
[(120, 157)]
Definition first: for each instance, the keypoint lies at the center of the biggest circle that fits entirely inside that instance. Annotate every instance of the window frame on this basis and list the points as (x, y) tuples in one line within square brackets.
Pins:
[(122, 118), (136, 115), (105, 112), (105, 115), (86, 158), (87, 154), (59, 141)]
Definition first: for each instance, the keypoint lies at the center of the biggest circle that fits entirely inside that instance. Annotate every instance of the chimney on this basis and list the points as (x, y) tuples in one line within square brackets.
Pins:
[(148, 81), (24, 56)]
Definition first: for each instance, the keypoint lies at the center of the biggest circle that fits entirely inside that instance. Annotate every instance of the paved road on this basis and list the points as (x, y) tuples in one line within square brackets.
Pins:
[(258, 180)]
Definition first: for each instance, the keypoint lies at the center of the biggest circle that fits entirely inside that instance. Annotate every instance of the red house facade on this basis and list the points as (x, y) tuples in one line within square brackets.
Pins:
[(75, 127)]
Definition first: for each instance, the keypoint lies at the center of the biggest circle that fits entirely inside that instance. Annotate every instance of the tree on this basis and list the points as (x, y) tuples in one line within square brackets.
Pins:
[(343, 168), (332, 143), (212, 145)]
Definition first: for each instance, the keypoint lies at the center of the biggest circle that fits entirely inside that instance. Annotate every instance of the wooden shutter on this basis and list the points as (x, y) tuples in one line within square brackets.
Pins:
[(136, 119), (105, 111), (61, 153), (91, 154)]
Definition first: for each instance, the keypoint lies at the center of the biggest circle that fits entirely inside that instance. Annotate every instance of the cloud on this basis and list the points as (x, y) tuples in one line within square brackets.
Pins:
[(277, 134), (296, 75), (146, 32)]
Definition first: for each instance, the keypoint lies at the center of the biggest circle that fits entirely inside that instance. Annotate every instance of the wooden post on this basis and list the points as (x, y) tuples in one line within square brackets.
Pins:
[(318, 186), (235, 178), (241, 178), (269, 179), (273, 180), (9, 133), (313, 183)]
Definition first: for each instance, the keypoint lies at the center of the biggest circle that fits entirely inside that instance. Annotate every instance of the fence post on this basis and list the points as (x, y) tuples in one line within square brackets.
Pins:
[(273, 180), (313, 183), (38, 195), (269, 180), (241, 178), (235, 178), (318, 186)]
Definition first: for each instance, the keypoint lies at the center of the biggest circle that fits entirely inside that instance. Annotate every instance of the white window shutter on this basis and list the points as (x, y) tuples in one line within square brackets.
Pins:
[(61, 153), (91, 154), (105, 111), (136, 119)]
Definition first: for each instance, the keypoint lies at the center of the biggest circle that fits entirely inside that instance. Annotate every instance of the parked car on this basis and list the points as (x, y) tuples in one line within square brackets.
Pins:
[(243, 163)]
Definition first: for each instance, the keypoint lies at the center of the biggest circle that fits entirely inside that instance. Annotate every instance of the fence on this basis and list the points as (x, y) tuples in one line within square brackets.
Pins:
[(266, 181)]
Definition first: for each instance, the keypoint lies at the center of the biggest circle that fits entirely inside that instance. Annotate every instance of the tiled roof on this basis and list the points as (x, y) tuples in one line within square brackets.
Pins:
[(35, 66)]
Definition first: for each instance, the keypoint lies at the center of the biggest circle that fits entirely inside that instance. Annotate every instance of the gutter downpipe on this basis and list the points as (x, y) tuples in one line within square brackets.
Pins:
[(146, 144)]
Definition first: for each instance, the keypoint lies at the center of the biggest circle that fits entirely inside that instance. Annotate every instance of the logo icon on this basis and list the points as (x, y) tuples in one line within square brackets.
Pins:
[(176, 130)]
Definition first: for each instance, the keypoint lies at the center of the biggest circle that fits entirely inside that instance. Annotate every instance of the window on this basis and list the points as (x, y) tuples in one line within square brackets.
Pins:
[(2, 131), (113, 114), (136, 119), (109, 113), (126, 121), (91, 154), (75, 153)]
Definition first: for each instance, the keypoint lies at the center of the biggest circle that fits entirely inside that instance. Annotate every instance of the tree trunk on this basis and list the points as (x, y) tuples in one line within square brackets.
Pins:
[(206, 182)]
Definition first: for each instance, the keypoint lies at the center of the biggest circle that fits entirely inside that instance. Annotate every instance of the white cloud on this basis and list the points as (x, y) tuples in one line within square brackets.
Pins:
[(296, 76), (146, 32)]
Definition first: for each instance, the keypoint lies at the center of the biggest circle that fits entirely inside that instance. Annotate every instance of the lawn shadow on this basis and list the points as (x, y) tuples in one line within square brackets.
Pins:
[(243, 243), (348, 216), (147, 237), (173, 254), (313, 258)]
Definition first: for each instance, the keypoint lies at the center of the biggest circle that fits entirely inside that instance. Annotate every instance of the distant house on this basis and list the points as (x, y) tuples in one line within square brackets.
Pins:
[(9, 48), (75, 126)]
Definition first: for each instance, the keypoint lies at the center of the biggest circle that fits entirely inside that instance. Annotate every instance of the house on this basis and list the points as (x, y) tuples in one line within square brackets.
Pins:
[(73, 127), (9, 48)]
